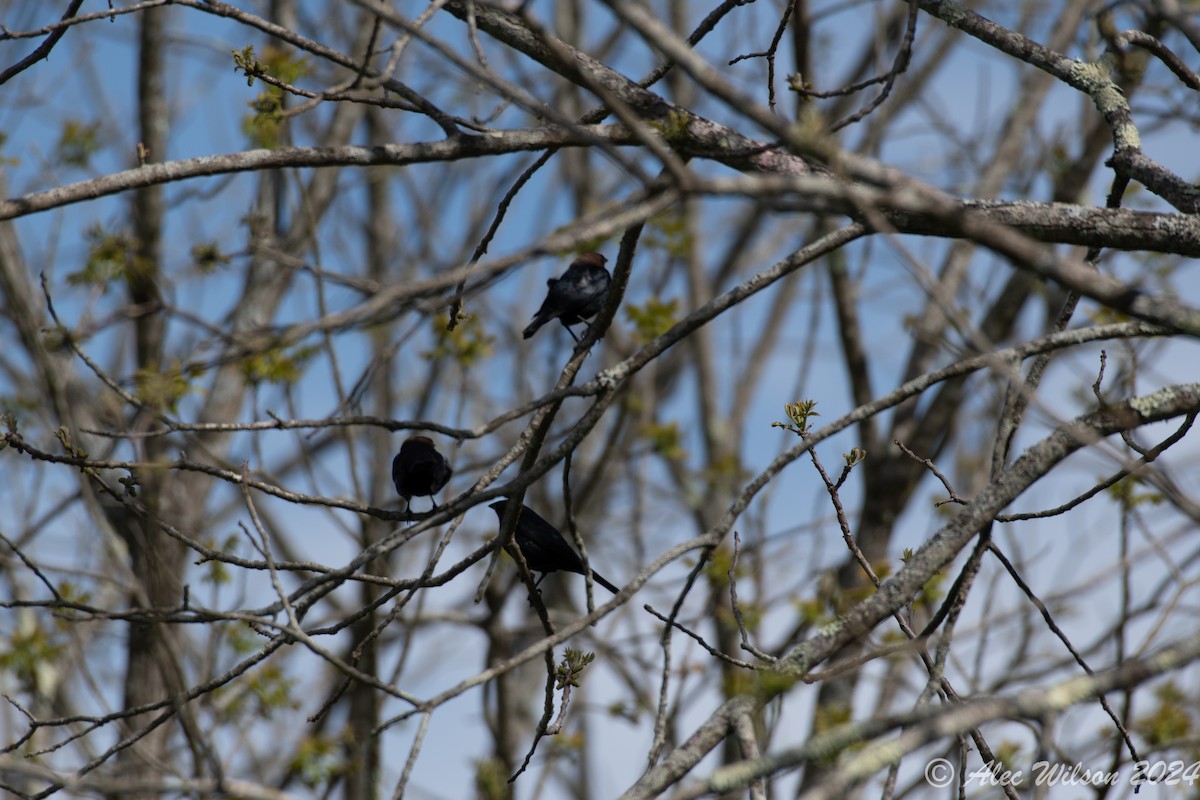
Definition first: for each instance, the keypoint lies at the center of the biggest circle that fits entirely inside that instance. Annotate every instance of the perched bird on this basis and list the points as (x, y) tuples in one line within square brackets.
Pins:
[(419, 470), (576, 296), (544, 548)]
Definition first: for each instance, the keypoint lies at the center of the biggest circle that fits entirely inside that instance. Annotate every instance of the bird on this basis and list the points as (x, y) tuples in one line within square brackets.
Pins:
[(575, 296), (544, 548), (419, 470)]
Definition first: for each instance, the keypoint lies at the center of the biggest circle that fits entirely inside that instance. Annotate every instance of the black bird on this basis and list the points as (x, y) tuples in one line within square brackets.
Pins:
[(576, 296), (419, 470), (544, 548)]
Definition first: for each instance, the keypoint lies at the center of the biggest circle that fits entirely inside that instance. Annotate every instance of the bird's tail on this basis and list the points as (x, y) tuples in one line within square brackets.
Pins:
[(537, 322), (600, 579)]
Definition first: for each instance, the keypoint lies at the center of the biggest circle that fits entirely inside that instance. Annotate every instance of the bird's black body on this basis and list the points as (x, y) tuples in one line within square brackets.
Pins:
[(576, 296), (419, 470), (544, 548)]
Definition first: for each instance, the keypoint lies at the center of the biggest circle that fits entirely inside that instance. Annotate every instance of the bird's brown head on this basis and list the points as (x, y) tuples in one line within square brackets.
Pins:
[(593, 259), (421, 439)]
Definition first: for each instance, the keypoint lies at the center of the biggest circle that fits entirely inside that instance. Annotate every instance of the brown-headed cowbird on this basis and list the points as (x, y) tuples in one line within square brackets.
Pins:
[(576, 296), (419, 470), (544, 548)]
